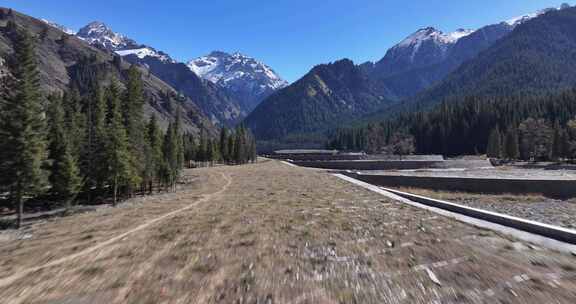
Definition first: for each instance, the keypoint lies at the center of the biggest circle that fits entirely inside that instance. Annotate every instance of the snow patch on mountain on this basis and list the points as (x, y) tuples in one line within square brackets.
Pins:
[(223, 67), (97, 33), (245, 77), (146, 52), (431, 33), (521, 19), (426, 35), (459, 34), (60, 27)]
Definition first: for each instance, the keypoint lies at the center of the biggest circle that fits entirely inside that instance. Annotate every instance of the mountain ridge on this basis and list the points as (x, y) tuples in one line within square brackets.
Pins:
[(61, 56), (328, 95), (219, 106), (250, 81)]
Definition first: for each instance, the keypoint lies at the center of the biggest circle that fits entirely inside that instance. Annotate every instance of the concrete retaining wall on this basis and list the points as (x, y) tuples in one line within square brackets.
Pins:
[(368, 164), (464, 164), (356, 156), (358, 162), (557, 233), (405, 157), (550, 188), (319, 157)]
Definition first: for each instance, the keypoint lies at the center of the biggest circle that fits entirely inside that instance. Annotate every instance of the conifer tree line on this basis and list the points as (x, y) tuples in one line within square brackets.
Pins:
[(509, 127), (92, 140), (232, 147)]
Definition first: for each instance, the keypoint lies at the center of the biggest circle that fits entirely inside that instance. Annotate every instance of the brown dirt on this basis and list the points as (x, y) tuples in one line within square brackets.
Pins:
[(270, 233)]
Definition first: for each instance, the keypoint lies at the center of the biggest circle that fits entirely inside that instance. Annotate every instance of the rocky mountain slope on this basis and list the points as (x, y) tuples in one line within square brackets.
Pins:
[(216, 103), (249, 81), (61, 55)]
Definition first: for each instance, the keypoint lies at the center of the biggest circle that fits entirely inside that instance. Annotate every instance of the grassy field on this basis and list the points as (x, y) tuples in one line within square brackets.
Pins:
[(271, 233)]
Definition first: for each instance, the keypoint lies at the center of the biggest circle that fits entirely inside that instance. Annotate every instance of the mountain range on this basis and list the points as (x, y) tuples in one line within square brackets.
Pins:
[(246, 79), (225, 86), (62, 56), (523, 54), (329, 95), (529, 54), (539, 56)]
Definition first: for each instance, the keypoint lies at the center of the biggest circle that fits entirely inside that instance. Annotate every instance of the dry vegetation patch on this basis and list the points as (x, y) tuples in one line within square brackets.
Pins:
[(279, 234)]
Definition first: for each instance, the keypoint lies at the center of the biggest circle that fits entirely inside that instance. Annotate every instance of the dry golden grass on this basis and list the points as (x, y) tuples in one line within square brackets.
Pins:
[(270, 233)]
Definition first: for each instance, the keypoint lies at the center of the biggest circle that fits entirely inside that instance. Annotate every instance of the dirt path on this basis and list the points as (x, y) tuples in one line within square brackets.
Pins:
[(24, 272), (271, 233)]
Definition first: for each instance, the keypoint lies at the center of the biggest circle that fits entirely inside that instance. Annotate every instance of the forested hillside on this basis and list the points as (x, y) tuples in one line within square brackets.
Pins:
[(65, 61), (329, 95), (89, 139), (413, 77), (522, 126), (538, 56)]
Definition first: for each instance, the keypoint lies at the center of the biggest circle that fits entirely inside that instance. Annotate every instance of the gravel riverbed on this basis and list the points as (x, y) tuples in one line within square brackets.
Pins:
[(532, 207)]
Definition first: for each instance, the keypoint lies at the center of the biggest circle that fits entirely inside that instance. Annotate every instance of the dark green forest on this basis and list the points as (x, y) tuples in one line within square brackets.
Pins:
[(514, 127), (93, 142)]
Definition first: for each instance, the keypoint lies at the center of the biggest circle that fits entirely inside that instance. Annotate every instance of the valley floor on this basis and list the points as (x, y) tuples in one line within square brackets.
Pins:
[(272, 233)]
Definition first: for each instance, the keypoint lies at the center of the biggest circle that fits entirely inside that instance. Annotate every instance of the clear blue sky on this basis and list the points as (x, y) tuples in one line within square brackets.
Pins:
[(289, 35)]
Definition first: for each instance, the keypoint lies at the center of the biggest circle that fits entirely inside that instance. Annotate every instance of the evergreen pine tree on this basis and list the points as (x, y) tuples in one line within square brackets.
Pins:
[(132, 111), (203, 146), (22, 127), (209, 152), (154, 154), (494, 149), (120, 172), (189, 150), (239, 145), (564, 144), (231, 147), (557, 143), (511, 148), (170, 151), (65, 173), (224, 144), (95, 136), (75, 121), (179, 144)]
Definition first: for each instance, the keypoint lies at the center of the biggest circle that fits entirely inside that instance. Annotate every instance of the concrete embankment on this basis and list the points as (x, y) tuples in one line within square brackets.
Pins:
[(377, 164), (550, 188)]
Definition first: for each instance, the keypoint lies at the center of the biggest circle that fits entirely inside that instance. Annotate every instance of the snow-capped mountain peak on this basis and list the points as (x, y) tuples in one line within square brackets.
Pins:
[(223, 67), (245, 77), (430, 33), (144, 52), (521, 19), (459, 34), (431, 42), (98, 33), (423, 34), (60, 27)]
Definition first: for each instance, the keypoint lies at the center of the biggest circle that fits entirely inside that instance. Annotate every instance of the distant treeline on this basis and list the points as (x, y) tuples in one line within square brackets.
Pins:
[(95, 143), (514, 127), (232, 147)]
